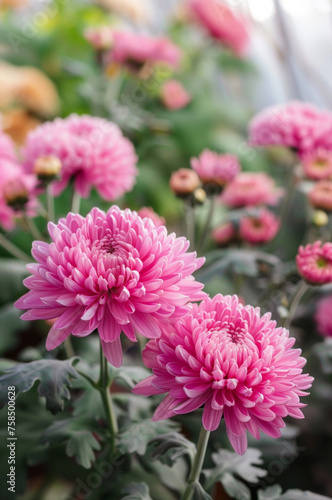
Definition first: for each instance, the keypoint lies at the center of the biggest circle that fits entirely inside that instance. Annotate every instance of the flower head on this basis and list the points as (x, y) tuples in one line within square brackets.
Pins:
[(112, 271), (321, 196), (174, 95), (152, 215), (296, 125), (214, 168), (314, 263), (239, 365), (184, 181), (323, 316), (224, 234), (317, 165), (92, 152), (259, 229), (7, 148), (222, 23), (251, 189)]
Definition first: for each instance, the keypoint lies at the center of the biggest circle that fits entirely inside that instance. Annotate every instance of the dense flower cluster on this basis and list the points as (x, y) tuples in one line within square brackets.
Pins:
[(239, 365), (112, 271), (314, 262)]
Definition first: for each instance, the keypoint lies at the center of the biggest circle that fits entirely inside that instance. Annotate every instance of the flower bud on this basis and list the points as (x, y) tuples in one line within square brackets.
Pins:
[(184, 182), (320, 218), (47, 168), (15, 194)]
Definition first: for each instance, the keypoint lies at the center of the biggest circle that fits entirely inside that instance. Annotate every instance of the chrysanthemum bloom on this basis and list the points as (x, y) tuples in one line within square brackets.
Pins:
[(112, 271), (7, 148), (215, 169), (296, 125), (251, 189), (259, 229), (134, 50), (16, 193), (239, 365), (321, 196), (174, 95), (151, 214), (184, 181), (222, 23), (317, 165), (224, 234), (314, 263), (323, 316), (92, 151)]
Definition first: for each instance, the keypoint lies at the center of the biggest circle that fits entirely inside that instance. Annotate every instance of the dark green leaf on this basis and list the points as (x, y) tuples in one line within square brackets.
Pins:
[(78, 432), (136, 438), (54, 377), (169, 447), (136, 491)]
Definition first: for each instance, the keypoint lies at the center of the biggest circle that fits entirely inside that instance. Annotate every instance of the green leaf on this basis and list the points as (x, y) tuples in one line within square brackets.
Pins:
[(200, 493), (78, 432), (235, 488), (137, 491), (275, 493), (136, 438), (54, 377), (169, 447), (131, 375)]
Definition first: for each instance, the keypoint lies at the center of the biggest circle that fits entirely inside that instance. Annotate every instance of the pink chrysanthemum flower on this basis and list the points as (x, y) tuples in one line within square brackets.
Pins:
[(216, 168), (251, 189), (112, 271), (224, 234), (239, 365), (314, 263), (296, 125), (16, 193), (92, 151), (321, 196), (151, 214), (317, 165), (7, 147), (174, 96), (134, 50), (259, 229), (323, 316), (222, 23)]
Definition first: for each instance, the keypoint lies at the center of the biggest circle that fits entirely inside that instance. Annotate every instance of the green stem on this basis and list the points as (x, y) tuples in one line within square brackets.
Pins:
[(287, 202), (208, 223), (197, 466), (30, 223), (300, 291), (190, 223), (75, 202), (104, 389), (13, 249), (70, 353), (50, 203)]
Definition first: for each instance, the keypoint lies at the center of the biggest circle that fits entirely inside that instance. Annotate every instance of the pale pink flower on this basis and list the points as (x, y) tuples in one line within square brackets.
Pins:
[(92, 151), (100, 37), (251, 189), (259, 229), (216, 168), (7, 147), (16, 193), (314, 263), (113, 272), (321, 196), (323, 316), (184, 182), (317, 165), (174, 95), (296, 125), (222, 23), (134, 50), (224, 234), (151, 214), (239, 365)]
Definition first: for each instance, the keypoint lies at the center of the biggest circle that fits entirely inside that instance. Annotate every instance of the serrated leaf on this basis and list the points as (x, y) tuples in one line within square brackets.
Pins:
[(54, 377), (136, 491), (169, 447), (200, 493), (234, 488), (136, 438), (78, 432), (275, 493)]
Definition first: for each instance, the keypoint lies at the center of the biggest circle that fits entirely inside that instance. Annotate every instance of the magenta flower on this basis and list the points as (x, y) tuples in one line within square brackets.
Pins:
[(317, 165), (112, 271), (134, 50), (259, 229), (152, 215), (314, 263), (224, 234), (173, 95), (251, 189), (222, 23), (296, 125), (239, 365), (7, 147), (323, 316), (93, 153), (321, 196), (216, 168)]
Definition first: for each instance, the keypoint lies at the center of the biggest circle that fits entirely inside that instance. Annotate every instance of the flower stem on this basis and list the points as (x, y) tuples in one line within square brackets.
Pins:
[(104, 389), (190, 224), (300, 291), (208, 222), (13, 249), (50, 203), (70, 353), (75, 202), (287, 202), (33, 228), (198, 463)]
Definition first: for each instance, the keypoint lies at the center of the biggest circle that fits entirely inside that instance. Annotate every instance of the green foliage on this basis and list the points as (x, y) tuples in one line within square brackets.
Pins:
[(145, 433), (136, 491), (168, 448), (275, 493)]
